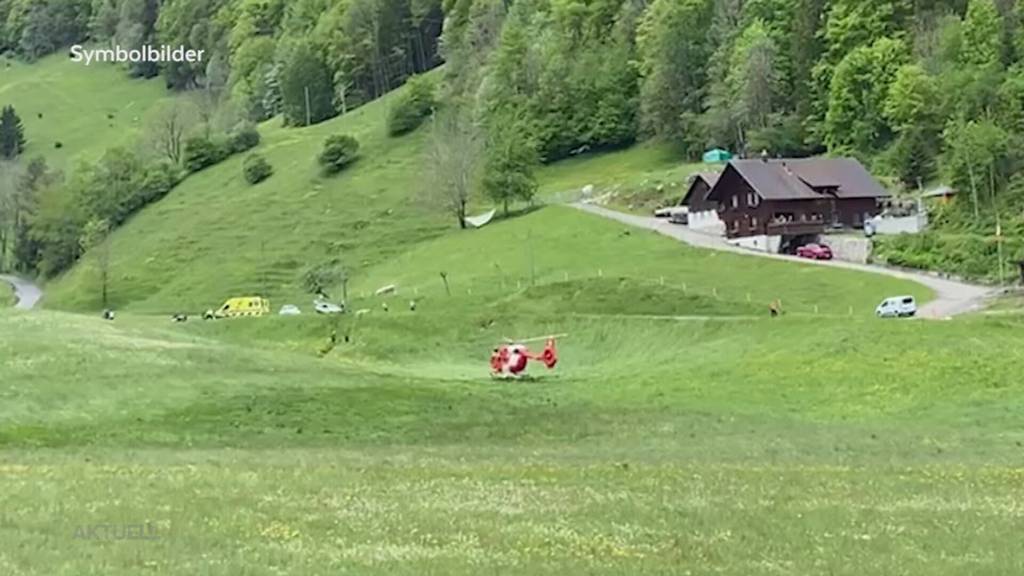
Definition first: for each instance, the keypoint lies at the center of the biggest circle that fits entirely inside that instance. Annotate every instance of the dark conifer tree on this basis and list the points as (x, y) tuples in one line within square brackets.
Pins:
[(12, 134)]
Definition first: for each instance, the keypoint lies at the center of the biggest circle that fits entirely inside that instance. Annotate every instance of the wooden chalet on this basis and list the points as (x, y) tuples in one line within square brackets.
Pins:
[(792, 197)]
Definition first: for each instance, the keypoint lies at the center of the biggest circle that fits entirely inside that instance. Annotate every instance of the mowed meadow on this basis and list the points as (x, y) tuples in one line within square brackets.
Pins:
[(657, 447)]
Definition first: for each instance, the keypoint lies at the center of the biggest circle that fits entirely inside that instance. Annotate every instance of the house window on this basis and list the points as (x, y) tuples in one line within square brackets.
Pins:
[(735, 225), (753, 199), (753, 222), (735, 201)]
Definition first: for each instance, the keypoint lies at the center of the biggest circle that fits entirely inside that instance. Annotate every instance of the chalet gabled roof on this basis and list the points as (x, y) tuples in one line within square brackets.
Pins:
[(773, 180), (807, 178), (848, 176), (709, 178)]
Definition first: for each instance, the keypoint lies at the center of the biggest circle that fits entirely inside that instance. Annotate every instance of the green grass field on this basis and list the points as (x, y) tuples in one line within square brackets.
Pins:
[(86, 109), (6, 295), (656, 447)]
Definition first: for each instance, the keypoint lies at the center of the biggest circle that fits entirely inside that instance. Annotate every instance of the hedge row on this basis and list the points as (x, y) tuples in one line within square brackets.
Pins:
[(970, 256)]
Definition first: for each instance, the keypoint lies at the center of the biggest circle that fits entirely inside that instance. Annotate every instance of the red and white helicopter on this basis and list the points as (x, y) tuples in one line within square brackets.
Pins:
[(510, 359)]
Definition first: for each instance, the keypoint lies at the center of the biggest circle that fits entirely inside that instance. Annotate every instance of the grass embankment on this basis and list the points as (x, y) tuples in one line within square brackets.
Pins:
[(636, 180), (657, 446), (87, 109), (555, 245)]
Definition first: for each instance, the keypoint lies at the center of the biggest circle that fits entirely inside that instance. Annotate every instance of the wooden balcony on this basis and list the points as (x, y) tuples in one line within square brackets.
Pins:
[(795, 228)]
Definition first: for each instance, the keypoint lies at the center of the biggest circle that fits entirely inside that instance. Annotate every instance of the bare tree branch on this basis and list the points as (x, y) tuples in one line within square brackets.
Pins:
[(167, 129), (453, 162)]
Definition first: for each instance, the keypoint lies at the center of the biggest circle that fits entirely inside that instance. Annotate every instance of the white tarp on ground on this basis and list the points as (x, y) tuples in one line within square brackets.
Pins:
[(481, 220)]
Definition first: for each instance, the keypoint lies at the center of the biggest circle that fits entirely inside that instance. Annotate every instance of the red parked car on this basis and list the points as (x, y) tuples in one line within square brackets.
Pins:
[(815, 252)]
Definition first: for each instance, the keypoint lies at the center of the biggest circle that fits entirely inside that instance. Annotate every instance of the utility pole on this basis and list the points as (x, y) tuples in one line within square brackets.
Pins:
[(999, 247), (309, 115), (999, 225), (263, 274), (533, 267), (974, 190)]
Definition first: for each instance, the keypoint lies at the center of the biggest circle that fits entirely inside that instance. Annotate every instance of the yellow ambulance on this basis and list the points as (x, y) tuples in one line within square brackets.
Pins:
[(240, 307)]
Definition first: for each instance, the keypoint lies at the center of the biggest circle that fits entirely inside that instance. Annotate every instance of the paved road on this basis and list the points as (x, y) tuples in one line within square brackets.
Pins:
[(951, 297), (27, 293)]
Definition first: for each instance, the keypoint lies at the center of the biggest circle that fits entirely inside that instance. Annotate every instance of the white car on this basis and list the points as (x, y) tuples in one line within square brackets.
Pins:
[(324, 307), (680, 215), (897, 307), (290, 310), (675, 214)]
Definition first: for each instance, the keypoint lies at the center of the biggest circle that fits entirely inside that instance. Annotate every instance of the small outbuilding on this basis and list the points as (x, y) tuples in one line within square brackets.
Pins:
[(717, 156), (703, 213)]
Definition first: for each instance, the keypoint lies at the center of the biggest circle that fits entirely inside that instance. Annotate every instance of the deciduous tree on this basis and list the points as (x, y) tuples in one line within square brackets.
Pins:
[(453, 161), (94, 240), (510, 160)]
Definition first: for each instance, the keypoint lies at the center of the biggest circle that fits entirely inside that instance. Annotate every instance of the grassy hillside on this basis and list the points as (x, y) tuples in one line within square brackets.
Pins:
[(215, 237), (637, 179), (86, 109), (655, 444), (558, 244), (633, 166)]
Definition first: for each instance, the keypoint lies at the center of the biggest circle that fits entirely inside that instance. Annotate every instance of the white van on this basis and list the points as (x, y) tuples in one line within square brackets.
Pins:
[(897, 307)]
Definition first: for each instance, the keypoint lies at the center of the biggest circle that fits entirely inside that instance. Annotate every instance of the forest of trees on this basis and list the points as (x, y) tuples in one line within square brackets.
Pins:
[(919, 90), (258, 51), (897, 83)]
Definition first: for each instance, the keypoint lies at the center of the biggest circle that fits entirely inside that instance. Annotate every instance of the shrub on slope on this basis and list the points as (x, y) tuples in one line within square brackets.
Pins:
[(256, 169), (339, 151)]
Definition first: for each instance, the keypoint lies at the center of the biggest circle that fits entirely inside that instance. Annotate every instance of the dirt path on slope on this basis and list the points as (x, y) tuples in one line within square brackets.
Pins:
[(25, 291)]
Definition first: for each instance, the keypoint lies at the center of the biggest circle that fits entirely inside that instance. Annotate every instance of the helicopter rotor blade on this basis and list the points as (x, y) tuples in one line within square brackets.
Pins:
[(536, 339)]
